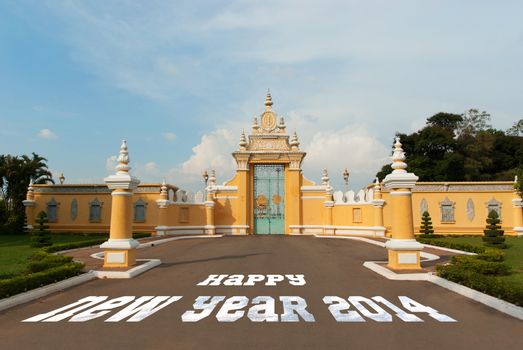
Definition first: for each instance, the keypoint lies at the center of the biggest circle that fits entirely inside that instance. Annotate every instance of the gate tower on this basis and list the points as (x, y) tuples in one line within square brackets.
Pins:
[(269, 175)]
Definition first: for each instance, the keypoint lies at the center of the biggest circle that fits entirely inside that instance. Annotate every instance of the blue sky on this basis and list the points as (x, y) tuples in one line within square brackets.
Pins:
[(180, 79)]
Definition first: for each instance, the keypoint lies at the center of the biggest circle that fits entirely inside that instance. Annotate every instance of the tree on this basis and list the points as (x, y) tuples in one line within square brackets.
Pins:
[(41, 236), (15, 174), (516, 129), (493, 233), (453, 147), (473, 121), (426, 224), (447, 121)]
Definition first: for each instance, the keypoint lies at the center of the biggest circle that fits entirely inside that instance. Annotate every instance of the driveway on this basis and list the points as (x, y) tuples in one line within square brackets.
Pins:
[(302, 319)]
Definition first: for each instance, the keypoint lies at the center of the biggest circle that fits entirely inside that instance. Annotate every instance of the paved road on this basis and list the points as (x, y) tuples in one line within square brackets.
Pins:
[(331, 267)]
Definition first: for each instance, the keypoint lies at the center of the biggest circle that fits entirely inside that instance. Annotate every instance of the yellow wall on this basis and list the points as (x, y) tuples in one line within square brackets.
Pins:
[(303, 208), (462, 225), (65, 194)]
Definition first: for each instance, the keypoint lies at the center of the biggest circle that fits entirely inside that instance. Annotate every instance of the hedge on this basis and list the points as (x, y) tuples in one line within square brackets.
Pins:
[(459, 246), (24, 283), (481, 272), (487, 284), (87, 243)]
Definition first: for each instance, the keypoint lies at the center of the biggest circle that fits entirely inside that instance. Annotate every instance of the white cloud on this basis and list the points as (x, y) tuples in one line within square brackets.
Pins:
[(352, 147), (213, 152), (110, 164), (169, 136), (47, 134), (151, 167)]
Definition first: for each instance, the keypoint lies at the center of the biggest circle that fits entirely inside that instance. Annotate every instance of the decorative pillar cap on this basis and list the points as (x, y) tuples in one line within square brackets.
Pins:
[(399, 178), (255, 125), (122, 179), (325, 177), (243, 141), (294, 142), (281, 126), (398, 158), (268, 100)]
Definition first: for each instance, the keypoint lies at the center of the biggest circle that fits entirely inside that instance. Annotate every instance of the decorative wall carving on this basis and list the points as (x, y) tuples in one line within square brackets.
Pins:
[(262, 144), (470, 209), (423, 206), (447, 210), (495, 205)]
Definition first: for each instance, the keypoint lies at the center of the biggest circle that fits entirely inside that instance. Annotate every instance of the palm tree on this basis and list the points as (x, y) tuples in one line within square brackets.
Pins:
[(15, 175)]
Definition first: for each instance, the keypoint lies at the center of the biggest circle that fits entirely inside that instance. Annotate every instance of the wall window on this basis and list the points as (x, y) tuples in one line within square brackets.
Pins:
[(493, 204), (74, 209), (447, 210), (95, 211), (184, 214), (139, 210), (356, 214), (52, 210)]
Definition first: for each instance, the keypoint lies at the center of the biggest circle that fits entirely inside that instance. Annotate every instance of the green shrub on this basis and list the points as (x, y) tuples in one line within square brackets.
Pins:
[(73, 245), (492, 255), (41, 261), (458, 246), (41, 237), (487, 284), (426, 225), (493, 233), (24, 283), (87, 243), (475, 264)]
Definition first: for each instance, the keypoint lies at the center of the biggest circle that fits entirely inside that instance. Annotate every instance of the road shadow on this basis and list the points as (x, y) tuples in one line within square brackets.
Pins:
[(224, 257)]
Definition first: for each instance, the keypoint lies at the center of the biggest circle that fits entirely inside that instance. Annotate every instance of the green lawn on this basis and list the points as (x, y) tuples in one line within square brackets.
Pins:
[(513, 254), (15, 249)]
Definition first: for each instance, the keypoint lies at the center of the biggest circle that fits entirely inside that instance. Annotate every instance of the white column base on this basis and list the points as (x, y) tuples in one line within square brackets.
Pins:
[(403, 244), (124, 244), (518, 230)]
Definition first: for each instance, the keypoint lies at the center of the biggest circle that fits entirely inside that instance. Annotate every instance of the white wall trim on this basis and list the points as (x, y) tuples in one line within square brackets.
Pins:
[(319, 188)]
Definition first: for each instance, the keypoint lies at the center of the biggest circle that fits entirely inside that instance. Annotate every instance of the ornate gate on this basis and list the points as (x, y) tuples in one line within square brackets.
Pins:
[(269, 194)]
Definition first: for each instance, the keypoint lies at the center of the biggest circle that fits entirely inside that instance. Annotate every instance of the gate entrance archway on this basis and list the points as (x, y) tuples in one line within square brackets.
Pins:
[(269, 194)]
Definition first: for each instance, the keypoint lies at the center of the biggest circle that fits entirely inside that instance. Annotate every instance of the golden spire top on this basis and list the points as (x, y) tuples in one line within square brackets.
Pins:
[(268, 100)]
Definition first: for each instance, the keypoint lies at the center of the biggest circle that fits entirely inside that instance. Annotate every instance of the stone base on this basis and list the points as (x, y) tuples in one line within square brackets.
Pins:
[(518, 230), (210, 230), (404, 259), (119, 258), (328, 230)]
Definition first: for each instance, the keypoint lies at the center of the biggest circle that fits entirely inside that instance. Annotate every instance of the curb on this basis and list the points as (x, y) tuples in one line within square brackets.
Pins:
[(448, 249), (45, 290), (485, 299), (135, 271)]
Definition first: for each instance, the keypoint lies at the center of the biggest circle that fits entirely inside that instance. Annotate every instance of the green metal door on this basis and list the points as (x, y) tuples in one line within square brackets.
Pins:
[(269, 194)]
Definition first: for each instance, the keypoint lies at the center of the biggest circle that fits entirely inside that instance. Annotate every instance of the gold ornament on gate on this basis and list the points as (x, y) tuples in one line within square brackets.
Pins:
[(276, 199), (261, 202)]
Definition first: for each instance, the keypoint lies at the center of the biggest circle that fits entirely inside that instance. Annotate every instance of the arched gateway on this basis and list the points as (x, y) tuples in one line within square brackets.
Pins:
[(269, 174)]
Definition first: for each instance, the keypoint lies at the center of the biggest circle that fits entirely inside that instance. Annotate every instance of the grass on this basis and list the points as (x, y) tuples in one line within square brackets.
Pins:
[(513, 254), (15, 249)]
